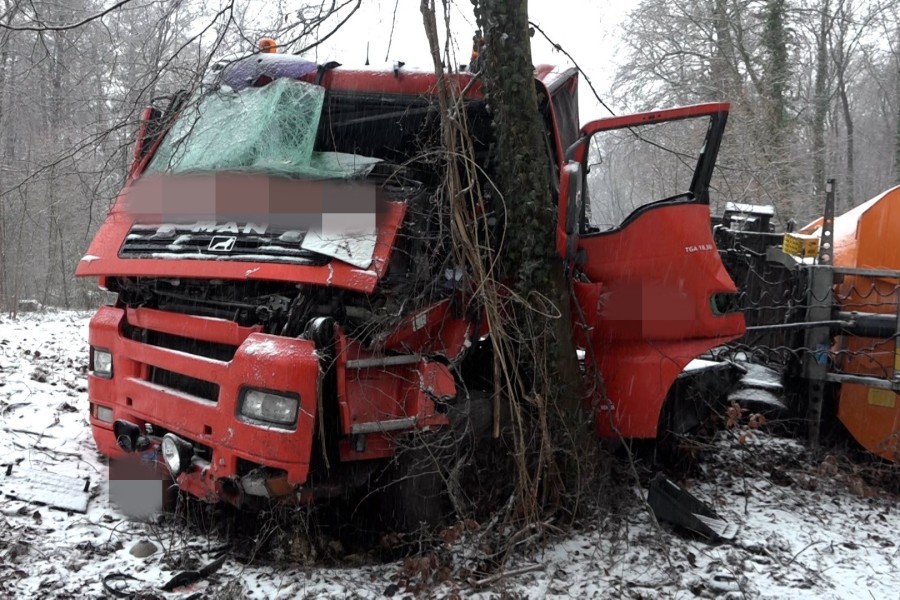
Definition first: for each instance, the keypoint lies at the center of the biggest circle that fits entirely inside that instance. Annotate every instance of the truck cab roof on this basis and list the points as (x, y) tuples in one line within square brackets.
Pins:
[(260, 69)]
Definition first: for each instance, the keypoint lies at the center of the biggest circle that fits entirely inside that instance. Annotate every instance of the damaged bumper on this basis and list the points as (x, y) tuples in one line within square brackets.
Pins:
[(196, 390)]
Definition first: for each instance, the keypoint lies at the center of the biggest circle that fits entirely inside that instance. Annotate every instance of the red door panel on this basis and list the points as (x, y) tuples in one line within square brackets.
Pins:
[(654, 313), (647, 285)]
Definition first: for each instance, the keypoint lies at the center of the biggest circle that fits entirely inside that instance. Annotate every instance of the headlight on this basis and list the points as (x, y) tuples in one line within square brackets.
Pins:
[(101, 362), (176, 452), (268, 407)]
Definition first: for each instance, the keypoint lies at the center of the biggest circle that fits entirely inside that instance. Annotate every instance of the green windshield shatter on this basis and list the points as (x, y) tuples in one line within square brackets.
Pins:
[(269, 129), (321, 165)]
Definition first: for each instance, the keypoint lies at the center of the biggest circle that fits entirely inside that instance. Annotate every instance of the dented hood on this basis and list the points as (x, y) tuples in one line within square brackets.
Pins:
[(247, 226)]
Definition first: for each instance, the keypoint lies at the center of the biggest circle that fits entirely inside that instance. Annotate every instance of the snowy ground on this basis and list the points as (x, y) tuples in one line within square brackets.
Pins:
[(808, 529)]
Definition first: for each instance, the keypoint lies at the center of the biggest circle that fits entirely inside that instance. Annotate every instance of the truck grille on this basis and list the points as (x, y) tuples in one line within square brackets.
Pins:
[(185, 242), (223, 352), (184, 384), (200, 388)]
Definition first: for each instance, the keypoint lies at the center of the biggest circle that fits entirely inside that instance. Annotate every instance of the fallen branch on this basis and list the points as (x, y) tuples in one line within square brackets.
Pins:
[(802, 550), (11, 406), (117, 592), (498, 576), (189, 577), (29, 432), (46, 450)]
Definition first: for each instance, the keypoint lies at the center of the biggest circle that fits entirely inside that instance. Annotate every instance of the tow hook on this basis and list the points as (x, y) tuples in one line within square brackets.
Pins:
[(129, 436), (265, 483)]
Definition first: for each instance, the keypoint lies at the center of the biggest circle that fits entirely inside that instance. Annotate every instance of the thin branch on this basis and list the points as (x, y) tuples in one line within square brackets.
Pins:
[(587, 79), (81, 23), (333, 31), (387, 54)]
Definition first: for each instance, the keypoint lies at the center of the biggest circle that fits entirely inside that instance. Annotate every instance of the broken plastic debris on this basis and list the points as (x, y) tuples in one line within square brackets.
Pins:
[(43, 487), (677, 506)]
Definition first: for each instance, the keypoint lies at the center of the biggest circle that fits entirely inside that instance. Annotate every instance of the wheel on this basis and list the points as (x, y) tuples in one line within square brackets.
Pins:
[(412, 488)]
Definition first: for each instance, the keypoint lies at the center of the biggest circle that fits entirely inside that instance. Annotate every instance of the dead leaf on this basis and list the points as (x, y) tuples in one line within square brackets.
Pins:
[(733, 415)]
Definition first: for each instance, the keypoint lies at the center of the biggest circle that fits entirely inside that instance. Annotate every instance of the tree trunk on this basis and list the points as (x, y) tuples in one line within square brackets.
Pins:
[(841, 54), (820, 101), (775, 41), (4, 165), (56, 289), (848, 122), (6, 156), (723, 67), (777, 77), (547, 372), (54, 229), (897, 83)]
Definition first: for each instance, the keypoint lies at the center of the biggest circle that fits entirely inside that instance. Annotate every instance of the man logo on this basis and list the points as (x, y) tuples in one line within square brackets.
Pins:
[(222, 243)]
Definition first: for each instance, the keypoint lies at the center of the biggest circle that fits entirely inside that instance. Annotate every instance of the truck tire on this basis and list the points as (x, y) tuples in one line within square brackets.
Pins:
[(412, 490)]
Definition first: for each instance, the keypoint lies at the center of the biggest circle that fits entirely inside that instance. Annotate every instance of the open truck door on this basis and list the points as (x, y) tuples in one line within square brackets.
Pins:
[(650, 286)]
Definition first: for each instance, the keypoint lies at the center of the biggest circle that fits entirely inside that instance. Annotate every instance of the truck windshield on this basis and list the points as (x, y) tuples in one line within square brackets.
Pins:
[(269, 129)]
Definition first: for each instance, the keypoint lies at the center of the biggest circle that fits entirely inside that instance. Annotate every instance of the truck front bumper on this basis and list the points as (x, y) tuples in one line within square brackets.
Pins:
[(148, 383)]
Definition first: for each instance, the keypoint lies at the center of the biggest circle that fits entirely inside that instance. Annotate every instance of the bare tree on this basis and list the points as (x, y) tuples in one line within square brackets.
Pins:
[(821, 97), (535, 366), (74, 78), (793, 72)]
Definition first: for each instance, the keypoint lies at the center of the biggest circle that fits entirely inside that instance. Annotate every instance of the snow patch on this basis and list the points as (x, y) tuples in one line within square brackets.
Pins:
[(803, 534)]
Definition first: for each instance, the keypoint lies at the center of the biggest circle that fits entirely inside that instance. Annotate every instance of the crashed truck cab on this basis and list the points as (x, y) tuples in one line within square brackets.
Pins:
[(288, 313)]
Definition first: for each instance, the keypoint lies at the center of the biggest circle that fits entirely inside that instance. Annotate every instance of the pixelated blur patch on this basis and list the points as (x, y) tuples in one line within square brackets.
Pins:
[(136, 488), (639, 309), (246, 197), (251, 214)]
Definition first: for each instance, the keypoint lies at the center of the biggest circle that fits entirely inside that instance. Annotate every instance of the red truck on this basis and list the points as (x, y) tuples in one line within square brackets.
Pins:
[(259, 357)]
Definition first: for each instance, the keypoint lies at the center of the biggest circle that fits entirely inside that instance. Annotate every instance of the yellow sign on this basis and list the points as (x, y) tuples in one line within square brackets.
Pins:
[(885, 398), (800, 245)]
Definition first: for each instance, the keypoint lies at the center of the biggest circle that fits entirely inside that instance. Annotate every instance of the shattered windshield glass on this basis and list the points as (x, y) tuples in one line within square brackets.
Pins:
[(269, 129)]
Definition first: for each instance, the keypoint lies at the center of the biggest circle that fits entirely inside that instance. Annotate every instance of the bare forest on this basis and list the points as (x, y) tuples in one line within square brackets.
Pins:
[(75, 77), (814, 88)]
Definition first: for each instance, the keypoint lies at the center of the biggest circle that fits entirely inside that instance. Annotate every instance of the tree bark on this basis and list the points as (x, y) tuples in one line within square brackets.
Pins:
[(897, 84), (820, 100), (775, 42), (528, 255)]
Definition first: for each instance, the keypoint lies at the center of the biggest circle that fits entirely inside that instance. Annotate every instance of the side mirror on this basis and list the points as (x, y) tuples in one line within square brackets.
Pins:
[(574, 207)]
